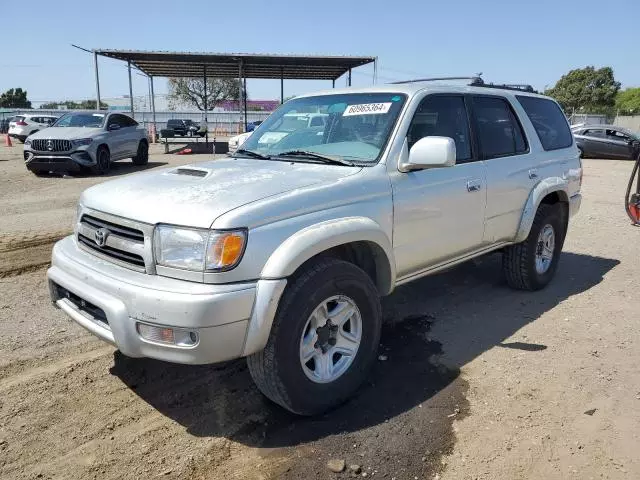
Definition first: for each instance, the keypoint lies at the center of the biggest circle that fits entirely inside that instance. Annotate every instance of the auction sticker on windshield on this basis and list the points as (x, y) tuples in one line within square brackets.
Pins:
[(367, 109)]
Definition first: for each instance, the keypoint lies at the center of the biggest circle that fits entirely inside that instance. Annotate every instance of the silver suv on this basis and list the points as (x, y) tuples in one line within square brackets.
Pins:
[(86, 140), (281, 252)]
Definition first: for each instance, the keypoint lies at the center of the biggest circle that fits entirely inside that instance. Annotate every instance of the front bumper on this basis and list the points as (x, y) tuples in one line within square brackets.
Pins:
[(218, 314), (58, 162)]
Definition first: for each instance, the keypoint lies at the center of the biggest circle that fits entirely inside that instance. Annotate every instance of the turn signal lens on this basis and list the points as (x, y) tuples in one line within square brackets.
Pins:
[(225, 249)]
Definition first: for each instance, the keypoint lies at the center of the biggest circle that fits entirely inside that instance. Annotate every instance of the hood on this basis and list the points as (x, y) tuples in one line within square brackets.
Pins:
[(195, 195), (66, 133)]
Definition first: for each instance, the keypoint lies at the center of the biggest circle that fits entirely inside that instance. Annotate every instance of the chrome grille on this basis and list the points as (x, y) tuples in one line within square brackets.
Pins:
[(118, 243), (48, 145)]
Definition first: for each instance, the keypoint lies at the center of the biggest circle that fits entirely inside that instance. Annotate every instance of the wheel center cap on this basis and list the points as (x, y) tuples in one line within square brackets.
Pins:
[(327, 335)]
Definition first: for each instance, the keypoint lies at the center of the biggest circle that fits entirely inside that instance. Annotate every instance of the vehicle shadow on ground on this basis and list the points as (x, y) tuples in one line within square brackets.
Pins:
[(117, 169), (470, 307)]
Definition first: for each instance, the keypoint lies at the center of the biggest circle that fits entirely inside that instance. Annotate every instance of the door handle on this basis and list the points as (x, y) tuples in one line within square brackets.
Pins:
[(533, 173), (473, 185)]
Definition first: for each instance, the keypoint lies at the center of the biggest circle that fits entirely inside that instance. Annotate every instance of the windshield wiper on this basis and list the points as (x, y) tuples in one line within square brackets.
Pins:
[(251, 153), (316, 156)]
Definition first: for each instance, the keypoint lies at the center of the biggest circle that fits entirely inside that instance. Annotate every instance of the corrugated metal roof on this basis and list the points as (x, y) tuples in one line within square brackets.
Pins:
[(226, 65)]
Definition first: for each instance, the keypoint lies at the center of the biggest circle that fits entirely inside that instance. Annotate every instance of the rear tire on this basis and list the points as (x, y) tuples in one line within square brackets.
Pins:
[(142, 157), (350, 301), (532, 264), (103, 161)]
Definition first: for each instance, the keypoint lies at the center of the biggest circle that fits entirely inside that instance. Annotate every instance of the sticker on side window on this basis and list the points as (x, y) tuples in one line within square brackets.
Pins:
[(367, 109)]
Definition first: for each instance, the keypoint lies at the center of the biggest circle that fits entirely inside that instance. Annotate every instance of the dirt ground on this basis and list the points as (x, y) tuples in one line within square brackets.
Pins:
[(479, 381)]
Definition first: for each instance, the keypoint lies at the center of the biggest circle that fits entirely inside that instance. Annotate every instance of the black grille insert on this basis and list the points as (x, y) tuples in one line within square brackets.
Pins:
[(49, 145), (96, 312), (119, 230), (112, 252)]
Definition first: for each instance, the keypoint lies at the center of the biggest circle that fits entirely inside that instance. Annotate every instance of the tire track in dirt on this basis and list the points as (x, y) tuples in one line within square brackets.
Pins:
[(27, 251)]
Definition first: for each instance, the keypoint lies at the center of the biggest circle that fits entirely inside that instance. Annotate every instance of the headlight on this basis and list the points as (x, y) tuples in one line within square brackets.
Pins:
[(81, 141), (198, 250), (27, 142)]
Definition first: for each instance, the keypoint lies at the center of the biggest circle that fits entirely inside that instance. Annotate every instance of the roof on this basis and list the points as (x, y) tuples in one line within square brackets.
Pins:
[(434, 86), (226, 65)]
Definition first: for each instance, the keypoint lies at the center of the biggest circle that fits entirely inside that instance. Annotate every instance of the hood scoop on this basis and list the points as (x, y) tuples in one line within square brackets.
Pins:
[(191, 172)]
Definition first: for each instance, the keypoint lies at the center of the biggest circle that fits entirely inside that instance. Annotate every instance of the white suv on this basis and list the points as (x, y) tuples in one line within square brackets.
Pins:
[(86, 140), (24, 125)]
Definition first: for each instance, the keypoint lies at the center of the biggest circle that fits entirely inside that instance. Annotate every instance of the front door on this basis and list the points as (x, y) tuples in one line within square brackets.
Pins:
[(438, 212)]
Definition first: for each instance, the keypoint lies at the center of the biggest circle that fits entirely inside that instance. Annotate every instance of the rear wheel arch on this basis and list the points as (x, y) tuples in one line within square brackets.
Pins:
[(549, 191)]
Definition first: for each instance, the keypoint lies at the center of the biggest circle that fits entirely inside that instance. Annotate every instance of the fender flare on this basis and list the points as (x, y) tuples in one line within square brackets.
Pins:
[(297, 249), (317, 238), (541, 190)]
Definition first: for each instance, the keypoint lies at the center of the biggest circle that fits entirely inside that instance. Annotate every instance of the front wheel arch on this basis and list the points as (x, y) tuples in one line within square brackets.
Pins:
[(350, 239)]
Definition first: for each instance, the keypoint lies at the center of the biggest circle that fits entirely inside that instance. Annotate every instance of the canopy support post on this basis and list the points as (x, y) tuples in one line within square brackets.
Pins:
[(349, 78), (240, 102), (153, 110), (95, 66), (133, 115), (244, 98), (281, 85), (206, 121)]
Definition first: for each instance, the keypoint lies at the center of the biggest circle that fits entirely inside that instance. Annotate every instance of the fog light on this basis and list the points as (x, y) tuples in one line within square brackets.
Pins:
[(171, 336)]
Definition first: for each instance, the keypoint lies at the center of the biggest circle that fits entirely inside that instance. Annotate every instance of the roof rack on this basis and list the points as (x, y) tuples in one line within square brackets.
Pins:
[(507, 86), (476, 81), (433, 79)]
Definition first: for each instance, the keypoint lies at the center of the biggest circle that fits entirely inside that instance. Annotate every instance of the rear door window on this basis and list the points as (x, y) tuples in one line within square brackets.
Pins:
[(549, 122), (499, 131)]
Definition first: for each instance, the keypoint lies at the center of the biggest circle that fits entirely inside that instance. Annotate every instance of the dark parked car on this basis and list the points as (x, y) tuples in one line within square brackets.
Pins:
[(606, 141), (184, 128)]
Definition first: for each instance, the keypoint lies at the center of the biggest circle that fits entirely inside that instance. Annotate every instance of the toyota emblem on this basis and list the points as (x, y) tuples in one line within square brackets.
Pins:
[(100, 237), (50, 145)]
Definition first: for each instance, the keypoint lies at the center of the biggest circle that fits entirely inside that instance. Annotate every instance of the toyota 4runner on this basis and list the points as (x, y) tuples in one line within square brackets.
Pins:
[(281, 252)]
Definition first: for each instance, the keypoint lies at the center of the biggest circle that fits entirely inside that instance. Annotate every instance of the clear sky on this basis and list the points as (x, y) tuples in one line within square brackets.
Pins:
[(511, 41)]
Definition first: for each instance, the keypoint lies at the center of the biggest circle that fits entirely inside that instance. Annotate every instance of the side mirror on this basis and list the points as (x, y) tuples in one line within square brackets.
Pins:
[(113, 126), (430, 152)]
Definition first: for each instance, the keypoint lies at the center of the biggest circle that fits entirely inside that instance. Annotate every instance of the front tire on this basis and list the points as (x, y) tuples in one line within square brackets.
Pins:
[(323, 340), (532, 264), (103, 161), (142, 157)]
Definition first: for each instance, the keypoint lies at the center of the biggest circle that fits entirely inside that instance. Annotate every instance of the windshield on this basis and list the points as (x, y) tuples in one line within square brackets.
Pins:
[(89, 120), (352, 126)]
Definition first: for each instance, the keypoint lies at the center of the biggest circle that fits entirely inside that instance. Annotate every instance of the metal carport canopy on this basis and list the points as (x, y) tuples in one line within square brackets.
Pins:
[(225, 65)]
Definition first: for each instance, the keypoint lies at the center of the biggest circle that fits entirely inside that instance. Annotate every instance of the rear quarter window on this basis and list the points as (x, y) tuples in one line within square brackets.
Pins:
[(549, 122)]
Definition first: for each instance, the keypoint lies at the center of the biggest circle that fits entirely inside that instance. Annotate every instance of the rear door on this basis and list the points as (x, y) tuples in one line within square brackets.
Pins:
[(509, 163), (117, 136), (595, 143), (132, 136)]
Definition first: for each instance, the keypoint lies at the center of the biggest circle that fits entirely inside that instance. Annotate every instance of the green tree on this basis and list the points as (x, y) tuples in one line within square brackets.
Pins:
[(586, 89), (190, 91), (14, 98), (628, 102), (71, 105)]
